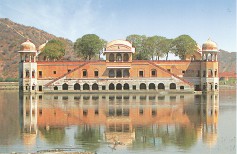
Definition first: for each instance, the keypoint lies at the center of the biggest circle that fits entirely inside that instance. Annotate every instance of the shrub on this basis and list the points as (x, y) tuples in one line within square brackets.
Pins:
[(11, 80)]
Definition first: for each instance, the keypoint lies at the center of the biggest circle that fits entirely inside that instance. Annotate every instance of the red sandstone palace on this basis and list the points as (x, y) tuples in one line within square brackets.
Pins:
[(119, 72)]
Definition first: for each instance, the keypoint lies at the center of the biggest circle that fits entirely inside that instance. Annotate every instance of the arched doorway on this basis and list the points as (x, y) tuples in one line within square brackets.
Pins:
[(65, 86), (55, 88), (172, 86), (111, 57), (161, 86), (86, 86), (111, 86), (118, 73), (143, 86), (119, 86), (118, 57), (111, 73), (152, 86), (95, 86), (126, 86), (125, 57), (126, 73), (77, 86)]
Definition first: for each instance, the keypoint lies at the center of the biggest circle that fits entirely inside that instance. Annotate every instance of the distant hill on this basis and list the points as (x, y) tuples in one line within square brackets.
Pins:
[(12, 35), (227, 61)]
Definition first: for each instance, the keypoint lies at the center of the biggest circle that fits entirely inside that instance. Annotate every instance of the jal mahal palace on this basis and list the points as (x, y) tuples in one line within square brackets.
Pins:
[(119, 72)]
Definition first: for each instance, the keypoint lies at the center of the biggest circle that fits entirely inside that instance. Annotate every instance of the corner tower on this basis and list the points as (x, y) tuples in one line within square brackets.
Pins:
[(27, 67), (209, 67)]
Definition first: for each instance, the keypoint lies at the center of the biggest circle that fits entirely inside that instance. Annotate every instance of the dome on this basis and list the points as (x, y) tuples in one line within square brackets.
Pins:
[(209, 45), (28, 46), (119, 42)]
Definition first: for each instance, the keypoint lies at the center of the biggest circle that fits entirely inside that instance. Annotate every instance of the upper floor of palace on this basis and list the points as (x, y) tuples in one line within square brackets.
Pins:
[(122, 51)]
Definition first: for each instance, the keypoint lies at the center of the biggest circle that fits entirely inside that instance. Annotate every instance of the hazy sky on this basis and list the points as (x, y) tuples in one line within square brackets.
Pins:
[(116, 19)]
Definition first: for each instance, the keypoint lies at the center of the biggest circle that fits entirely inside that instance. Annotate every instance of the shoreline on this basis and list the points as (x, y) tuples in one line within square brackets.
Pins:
[(9, 86), (227, 87)]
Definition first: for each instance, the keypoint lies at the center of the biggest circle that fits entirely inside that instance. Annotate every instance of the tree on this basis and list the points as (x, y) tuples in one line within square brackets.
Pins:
[(54, 49), (138, 43), (184, 45), (152, 46), (165, 46), (88, 46)]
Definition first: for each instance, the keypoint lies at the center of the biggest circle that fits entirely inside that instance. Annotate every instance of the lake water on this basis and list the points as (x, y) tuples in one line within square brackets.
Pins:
[(118, 123)]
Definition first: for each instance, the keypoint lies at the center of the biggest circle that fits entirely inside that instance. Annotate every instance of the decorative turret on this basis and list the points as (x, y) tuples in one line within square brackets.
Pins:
[(28, 46), (119, 51), (27, 51), (209, 51)]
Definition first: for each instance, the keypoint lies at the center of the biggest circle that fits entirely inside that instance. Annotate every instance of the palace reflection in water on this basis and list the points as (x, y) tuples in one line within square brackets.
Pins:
[(132, 121)]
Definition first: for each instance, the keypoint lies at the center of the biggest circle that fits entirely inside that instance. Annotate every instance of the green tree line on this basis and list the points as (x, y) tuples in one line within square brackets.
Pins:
[(90, 46)]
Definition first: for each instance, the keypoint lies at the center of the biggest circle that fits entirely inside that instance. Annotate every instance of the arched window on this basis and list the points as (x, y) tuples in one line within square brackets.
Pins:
[(111, 86), (172, 86), (152, 86), (161, 86), (126, 73), (153, 73), (126, 86), (95, 86), (118, 86), (33, 74), (118, 73), (77, 86), (125, 57), (27, 73), (55, 88), (111, 73), (84, 73), (96, 73), (215, 72), (65, 86), (216, 86), (142, 86), (118, 57), (181, 87), (86, 86), (209, 72), (111, 57)]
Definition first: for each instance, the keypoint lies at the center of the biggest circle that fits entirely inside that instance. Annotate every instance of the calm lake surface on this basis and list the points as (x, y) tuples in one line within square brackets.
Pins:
[(118, 123)]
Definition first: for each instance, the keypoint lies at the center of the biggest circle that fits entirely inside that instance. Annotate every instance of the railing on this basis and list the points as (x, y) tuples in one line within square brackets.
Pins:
[(189, 83), (66, 73)]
